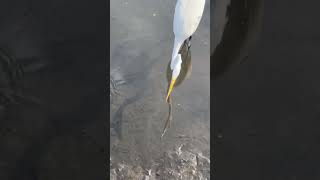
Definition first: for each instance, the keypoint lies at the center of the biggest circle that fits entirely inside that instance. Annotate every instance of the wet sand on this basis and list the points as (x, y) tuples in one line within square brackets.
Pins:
[(141, 45)]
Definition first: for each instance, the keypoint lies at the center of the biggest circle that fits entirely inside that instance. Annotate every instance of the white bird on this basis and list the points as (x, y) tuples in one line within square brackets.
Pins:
[(186, 20)]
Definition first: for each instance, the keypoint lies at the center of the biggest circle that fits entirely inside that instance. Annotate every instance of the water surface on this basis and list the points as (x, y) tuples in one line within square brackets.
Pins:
[(140, 48)]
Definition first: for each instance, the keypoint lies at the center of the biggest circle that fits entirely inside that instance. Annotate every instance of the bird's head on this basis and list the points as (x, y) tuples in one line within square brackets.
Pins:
[(175, 67)]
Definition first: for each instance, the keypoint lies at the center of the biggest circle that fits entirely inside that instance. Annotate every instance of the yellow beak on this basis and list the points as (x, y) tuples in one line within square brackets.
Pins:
[(170, 88)]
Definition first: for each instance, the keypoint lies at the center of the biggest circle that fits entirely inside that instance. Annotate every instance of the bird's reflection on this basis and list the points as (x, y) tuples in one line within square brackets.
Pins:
[(185, 72)]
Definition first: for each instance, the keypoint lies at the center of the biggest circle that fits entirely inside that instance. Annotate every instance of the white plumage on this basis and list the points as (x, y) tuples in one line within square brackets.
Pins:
[(186, 19), (187, 16), (177, 63)]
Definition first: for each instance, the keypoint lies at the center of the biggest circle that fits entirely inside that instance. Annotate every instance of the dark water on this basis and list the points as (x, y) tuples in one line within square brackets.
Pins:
[(267, 109), (59, 116), (141, 47), (235, 30)]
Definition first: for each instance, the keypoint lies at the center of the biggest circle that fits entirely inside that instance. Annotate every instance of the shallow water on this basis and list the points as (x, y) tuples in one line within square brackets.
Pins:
[(140, 48)]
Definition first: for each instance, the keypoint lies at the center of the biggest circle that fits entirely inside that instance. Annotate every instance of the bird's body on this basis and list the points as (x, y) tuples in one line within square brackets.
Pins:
[(186, 20), (187, 16)]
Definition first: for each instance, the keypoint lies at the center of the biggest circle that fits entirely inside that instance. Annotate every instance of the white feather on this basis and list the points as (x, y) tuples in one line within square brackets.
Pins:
[(176, 66), (186, 20)]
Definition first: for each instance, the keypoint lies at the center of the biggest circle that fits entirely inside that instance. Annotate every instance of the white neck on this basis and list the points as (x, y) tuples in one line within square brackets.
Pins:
[(176, 48), (176, 66)]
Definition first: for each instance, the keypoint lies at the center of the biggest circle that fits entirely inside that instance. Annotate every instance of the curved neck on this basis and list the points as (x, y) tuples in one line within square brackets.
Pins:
[(176, 48)]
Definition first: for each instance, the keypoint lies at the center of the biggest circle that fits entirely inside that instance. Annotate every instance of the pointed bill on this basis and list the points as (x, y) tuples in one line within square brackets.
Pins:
[(170, 88)]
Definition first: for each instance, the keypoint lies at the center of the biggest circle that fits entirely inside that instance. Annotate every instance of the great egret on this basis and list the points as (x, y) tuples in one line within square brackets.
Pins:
[(186, 20)]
